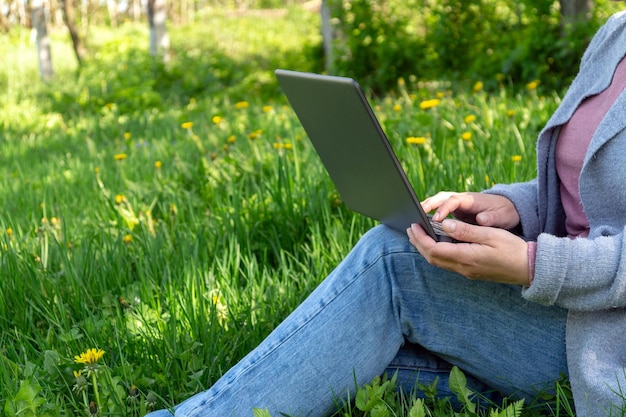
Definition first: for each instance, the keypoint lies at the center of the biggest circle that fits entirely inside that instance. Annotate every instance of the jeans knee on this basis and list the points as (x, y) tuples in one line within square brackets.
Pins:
[(384, 237)]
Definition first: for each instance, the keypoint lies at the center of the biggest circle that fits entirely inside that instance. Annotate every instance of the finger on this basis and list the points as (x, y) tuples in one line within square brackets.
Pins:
[(466, 232), (433, 202), (455, 203), (419, 238)]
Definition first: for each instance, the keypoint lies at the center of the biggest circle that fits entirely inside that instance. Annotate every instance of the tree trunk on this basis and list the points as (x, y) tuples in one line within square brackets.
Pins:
[(38, 17), (136, 9), (159, 41), (327, 36), (573, 10), (112, 8), (69, 16)]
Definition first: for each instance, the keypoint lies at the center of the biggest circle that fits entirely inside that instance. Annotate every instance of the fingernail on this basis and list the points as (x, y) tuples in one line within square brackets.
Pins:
[(436, 217), (449, 225)]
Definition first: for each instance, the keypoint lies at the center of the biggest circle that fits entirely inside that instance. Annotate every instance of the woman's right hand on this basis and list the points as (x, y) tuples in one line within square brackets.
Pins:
[(477, 208)]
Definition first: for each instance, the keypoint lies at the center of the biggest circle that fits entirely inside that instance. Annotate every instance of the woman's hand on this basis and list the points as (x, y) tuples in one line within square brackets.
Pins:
[(485, 253), (476, 208)]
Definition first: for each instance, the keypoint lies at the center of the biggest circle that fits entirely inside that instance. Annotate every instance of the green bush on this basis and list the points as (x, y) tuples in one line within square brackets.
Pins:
[(518, 41)]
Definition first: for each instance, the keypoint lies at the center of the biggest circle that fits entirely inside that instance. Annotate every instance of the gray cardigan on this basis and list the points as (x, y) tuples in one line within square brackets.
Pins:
[(587, 276)]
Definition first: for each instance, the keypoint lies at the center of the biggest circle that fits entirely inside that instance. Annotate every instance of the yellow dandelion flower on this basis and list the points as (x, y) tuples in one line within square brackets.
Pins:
[(416, 140), (120, 156), (242, 105), (216, 119), (119, 199), (9, 232), (440, 95), (429, 104), (127, 135), (532, 85), (466, 136), (96, 170), (510, 113), (288, 146), (187, 125), (90, 357), (255, 134), (77, 374), (55, 221), (127, 239), (401, 82), (231, 139), (478, 86), (158, 164), (397, 107), (516, 158), (267, 109), (469, 118)]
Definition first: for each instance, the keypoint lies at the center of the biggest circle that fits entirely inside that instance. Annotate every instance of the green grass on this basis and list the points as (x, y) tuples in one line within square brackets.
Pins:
[(177, 249)]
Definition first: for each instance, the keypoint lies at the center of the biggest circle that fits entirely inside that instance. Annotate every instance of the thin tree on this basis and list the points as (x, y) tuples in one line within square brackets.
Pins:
[(159, 40), (69, 17), (573, 10), (38, 17)]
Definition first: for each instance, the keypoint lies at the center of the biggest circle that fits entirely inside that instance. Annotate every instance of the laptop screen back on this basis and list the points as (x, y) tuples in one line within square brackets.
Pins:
[(353, 147)]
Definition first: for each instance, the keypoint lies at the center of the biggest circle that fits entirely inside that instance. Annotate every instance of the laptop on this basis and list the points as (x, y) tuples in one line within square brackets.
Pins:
[(354, 149)]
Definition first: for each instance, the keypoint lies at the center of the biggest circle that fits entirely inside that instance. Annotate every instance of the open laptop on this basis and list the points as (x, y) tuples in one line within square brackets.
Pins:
[(354, 149)]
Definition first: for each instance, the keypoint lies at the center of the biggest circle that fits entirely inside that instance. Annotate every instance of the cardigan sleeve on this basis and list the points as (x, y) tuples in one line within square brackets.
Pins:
[(579, 274)]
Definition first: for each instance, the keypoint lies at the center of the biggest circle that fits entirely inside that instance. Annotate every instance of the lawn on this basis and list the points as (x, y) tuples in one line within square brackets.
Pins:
[(172, 215)]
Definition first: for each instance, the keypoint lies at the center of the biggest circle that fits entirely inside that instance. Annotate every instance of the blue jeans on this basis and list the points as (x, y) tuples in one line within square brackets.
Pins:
[(385, 308)]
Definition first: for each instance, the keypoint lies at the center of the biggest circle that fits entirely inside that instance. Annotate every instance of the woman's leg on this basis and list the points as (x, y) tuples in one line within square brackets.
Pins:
[(353, 325)]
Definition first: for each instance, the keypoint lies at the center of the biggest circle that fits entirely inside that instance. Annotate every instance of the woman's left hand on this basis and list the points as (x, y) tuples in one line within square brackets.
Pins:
[(483, 253)]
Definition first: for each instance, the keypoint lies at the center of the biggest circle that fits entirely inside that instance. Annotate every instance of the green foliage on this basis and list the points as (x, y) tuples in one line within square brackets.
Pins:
[(517, 41), (376, 43), (26, 402), (173, 215)]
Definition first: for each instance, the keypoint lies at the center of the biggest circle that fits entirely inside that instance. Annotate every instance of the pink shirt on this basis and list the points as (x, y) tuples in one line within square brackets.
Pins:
[(571, 148), (572, 145)]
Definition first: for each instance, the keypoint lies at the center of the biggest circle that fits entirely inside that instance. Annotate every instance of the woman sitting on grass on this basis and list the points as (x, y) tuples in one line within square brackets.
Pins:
[(546, 294)]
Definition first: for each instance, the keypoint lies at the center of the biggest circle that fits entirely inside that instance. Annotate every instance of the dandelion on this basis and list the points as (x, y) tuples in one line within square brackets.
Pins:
[(231, 139), (469, 118), (187, 125), (255, 134), (267, 109), (158, 164), (127, 239), (416, 140), (397, 107), (401, 82), (478, 86), (429, 104), (96, 170), (9, 232), (242, 105), (216, 120), (127, 135), (467, 136), (516, 159), (532, 85), (510, 113), (89, 357), (440, 95), (119, 199), (120, 156)]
